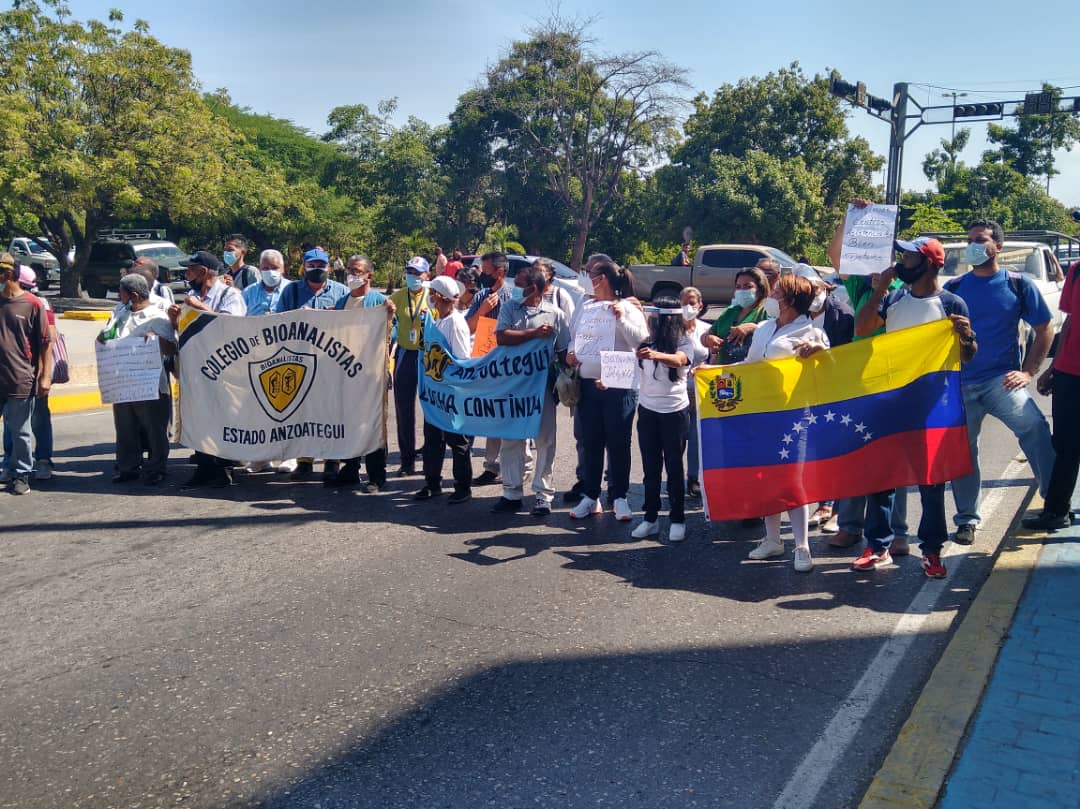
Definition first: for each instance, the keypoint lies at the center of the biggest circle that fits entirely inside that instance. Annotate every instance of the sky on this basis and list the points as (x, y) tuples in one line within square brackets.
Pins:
[(300, 60)]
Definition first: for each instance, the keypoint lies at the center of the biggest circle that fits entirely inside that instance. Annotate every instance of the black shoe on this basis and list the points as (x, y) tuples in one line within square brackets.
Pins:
[(125, 477), (196, 481), (330, 471), (506, 506), (573, 497), (1048, 522), (965, 534), (540, 510), (486, 478), (222, 479), (349, 475), (693, 488), (459, 496), (428, 492), (304, 470), (406, 471), (154, 479)]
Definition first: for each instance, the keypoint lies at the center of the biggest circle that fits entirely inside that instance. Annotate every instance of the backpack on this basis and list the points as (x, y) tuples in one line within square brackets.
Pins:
[(1017, 284)]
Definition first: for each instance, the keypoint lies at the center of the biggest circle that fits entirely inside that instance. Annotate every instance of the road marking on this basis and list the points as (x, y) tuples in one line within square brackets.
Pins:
[(817, 766)]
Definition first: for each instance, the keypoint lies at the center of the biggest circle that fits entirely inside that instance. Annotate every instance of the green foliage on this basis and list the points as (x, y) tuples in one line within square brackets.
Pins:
[(1029, 146), (645, 253)]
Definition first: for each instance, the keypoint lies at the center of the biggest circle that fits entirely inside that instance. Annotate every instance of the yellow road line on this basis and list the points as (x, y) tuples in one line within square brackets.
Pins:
[(914, 772)]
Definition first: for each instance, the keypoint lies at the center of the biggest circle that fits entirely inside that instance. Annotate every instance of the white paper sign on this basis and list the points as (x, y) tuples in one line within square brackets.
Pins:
[(868, 239), (595, 330), (129, 369), (618, 369)]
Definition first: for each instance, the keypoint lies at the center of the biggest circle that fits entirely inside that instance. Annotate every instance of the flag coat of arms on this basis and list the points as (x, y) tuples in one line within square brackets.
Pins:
[(861, 418)]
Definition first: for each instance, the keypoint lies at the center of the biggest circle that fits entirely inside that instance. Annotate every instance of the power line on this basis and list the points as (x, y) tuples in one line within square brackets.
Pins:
[(929, 87)]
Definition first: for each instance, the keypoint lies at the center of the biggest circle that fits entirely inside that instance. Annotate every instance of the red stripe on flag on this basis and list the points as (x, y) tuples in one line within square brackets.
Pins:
[(904, 459)]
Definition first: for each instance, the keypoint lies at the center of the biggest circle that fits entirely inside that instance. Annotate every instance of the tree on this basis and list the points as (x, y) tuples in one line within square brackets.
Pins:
[(582, 118), (1029, 146), (99, 124), (938, 164)]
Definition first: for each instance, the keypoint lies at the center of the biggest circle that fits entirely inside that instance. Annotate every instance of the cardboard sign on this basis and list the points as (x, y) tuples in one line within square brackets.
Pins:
[(618, 369), (868, 239), (484, 338), (129, 369), (595, 330)]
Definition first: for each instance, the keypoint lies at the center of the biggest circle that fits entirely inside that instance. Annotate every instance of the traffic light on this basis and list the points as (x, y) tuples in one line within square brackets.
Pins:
[(1076, 104), (977, 110), (843, 89), (879, 104), (1038, 103)]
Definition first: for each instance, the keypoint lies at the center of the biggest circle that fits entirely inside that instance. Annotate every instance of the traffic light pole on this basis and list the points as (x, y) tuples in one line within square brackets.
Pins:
[(897, 135)]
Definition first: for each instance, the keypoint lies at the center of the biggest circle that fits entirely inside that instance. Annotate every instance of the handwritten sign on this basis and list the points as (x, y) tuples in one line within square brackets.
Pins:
[(595, 330), (868, 239), (484, 338), (618, 369), (129, 369)]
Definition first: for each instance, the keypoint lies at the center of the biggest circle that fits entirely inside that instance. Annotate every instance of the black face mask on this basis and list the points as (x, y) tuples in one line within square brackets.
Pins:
[(909, 275), (196, 285), (487, 280), (315, 275)]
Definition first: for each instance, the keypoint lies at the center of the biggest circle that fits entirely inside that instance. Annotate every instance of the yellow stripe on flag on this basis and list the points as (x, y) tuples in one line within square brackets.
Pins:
[(864, 367)]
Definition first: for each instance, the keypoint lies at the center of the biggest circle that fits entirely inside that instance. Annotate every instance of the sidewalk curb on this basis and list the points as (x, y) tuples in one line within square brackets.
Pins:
[(86, 314), (87, 400), (914, 772)]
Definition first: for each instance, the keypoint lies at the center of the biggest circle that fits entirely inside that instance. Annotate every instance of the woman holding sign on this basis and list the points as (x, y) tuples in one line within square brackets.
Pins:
[(607, 323), (664, 415)]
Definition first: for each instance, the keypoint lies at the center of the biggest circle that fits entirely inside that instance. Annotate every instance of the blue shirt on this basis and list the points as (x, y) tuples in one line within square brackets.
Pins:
[(300, 296), (995, 314), (261, 302), (371, 298)]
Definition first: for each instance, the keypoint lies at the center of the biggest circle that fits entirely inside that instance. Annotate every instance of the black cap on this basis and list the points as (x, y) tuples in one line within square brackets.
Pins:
[(203, 258)]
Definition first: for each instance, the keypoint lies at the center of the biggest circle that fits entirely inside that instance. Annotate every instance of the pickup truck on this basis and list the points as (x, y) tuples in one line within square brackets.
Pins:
[(41, 261), (713, 272)]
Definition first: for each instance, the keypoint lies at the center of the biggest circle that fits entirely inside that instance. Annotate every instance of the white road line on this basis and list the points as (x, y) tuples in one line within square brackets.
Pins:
[(806, 782)]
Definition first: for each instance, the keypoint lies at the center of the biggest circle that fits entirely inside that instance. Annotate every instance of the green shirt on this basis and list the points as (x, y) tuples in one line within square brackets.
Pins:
[(859, 290)]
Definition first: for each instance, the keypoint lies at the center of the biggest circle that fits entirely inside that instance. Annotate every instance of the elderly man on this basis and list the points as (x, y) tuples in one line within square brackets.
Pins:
[(208, 294), (316, 291), (159, 293), (262, 297), (25, 369), (146, 423)]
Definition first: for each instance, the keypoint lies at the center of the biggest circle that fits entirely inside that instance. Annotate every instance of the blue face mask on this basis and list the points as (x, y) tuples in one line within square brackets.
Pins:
[(229, 257), (414, 282), (517, 294), (975, 253), (744, 297)]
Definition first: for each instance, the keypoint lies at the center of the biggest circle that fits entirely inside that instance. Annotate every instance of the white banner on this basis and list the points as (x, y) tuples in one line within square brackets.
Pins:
[(300, 384)]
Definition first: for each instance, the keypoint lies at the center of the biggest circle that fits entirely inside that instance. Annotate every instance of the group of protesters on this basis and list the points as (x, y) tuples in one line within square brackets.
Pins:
[(775, 312)]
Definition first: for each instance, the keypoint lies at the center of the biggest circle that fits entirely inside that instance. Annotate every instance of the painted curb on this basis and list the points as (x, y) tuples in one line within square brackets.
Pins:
[(86, 314), (914, 772), (87, 400)]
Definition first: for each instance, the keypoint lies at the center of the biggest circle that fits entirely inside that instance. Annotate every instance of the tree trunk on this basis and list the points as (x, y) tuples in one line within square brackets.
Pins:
[(577, 258)]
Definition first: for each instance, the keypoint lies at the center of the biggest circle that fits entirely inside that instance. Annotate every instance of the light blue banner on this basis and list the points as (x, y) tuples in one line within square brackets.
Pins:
[(499, 395)]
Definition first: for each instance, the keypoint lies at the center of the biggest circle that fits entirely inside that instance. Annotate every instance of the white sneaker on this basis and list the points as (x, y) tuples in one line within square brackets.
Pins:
[(586, 507), (832, 526), (677, 532), (804, 563), (43, 470), (645, 529), (286, 467), (623, 513), (255, 467), (767, 549)]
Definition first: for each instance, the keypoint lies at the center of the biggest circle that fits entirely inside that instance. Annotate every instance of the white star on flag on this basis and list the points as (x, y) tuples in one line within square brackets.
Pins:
[(867, 436), (845, 420), (797, 427), (812, 418), (830, 416), (784, 453), (787, 438), (860, 427)]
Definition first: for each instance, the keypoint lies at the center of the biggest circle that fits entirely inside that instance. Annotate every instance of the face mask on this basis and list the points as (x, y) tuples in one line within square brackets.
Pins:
[(196, 285), (909, 275), (744, 297), (315, 275), (270, 278), (976, 254), (689, 312), (414, 282), (517, 294), (487, 280), (772, 308), (818, 303), (229, 257), (355, 282)]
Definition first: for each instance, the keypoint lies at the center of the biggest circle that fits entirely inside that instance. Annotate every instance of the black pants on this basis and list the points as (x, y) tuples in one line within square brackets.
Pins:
[(142, 425), (435, 443), (405, 382), (662, 441), (1066, 410), (374, 465)]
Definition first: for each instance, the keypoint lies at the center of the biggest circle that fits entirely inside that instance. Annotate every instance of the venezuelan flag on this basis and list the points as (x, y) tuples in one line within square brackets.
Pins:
[(861, 418)]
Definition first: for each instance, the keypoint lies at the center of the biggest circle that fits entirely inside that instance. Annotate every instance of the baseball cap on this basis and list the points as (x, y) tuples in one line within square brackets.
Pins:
[(27, 277), (418, 263), (445, 286), (203, 258), (316, 255), (931, 248)]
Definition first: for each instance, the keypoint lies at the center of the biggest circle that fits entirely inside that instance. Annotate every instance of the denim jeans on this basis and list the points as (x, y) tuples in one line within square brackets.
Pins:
[(607, 421), (41, 425), (933, 529), (852, 514), (1017, 411), (18, 415)]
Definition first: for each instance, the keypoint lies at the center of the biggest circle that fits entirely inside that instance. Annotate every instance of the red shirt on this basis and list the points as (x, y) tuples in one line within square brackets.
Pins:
[(452, 268), (24, 334), (1068, 351)]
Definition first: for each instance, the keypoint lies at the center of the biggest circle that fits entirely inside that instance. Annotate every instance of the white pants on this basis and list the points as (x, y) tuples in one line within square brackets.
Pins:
[(492, 448), (514, 458), (799, 517)]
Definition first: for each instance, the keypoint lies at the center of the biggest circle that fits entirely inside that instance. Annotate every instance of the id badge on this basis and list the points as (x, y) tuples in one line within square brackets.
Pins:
[(412, 335)]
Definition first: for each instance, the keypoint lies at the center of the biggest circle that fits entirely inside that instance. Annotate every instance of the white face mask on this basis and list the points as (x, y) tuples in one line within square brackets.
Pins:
[(689, 312), (354, 282), (772, 308), (818, 303), (270, 278)]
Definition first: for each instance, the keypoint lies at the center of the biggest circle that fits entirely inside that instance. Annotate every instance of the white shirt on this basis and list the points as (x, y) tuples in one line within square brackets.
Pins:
[(772, 343), (657, 392), (456, 331), (148, 320), (631, 331)]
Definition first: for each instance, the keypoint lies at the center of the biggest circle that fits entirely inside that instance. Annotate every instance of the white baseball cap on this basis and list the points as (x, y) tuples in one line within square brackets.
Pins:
[(445, 286)]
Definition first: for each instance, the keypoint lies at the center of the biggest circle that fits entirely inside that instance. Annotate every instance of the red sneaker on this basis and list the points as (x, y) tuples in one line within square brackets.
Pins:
[(932, 567), (872, 560)]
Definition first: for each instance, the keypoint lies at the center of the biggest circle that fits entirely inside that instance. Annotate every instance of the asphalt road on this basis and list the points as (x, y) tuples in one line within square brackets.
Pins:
[(281, 645)]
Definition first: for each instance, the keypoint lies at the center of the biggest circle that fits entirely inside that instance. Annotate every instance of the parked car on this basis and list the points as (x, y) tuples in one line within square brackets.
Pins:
[(1033, 259), (713, 272), (28, 252), (111, 258)]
